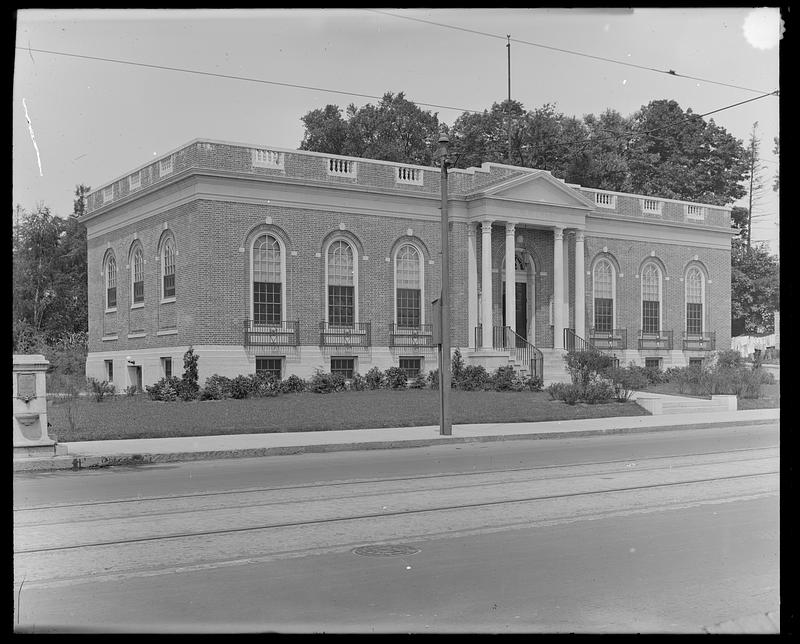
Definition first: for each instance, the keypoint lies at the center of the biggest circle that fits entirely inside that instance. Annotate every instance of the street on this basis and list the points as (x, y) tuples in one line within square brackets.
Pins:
[(672, 531)]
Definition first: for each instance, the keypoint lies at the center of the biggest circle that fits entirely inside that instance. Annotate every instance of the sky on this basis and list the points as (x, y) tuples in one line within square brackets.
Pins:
[(78, 119)]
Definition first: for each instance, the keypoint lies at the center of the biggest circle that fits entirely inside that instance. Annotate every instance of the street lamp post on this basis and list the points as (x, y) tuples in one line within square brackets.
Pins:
[(445, 421)]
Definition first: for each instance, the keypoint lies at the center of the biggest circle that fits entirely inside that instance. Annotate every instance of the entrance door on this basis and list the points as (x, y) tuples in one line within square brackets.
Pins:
[(521, 317)]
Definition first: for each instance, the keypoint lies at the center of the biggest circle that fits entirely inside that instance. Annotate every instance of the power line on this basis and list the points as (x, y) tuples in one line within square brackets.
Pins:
[(231, 77), (670, 72), (348, 93)]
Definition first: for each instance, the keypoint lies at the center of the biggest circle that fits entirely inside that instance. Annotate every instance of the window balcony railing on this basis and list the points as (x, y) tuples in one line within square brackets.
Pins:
[(700, 341), (659, 340), (414, 337), (285, 334), (358, 334), (615, 339)]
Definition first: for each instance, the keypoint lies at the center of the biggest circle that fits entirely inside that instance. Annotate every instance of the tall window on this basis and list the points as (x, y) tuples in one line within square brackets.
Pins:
[(651, 299), (694, 301), (267, 280), (603, 296), (168, 268), (408, 285), (137, 275), (341, 284), (111, 283)]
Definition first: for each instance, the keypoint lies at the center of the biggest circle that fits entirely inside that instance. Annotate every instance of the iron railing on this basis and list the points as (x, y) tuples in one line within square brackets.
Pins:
[(524, 352), (358, 334), (660, 340), (615, 339), (574, 342), (284, 334), (699, 341), (413, 337)]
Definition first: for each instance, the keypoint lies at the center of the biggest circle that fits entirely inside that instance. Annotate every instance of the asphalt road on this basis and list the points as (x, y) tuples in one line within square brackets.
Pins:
[(665, 532)]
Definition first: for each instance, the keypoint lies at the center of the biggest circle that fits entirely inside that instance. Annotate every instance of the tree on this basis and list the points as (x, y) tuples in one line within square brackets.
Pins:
[(755, 179), (776, 151), (755, 288), (393, 130), (678, 155), (49, 274)]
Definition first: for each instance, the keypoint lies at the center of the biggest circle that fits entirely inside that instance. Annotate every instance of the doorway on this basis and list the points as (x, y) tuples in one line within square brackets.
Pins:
[(521, 309), (135, 377)]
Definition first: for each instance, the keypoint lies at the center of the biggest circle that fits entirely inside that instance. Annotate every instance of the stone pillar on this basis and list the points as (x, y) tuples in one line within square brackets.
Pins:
[(486, 283), (580, 286), (472, 285), (511, 293), (558, 287), (29, 405)]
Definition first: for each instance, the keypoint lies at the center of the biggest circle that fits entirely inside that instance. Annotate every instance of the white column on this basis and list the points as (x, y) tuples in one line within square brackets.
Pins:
[(580, 297), (486, 283), (558, 287), (511, 293), (472, 285)]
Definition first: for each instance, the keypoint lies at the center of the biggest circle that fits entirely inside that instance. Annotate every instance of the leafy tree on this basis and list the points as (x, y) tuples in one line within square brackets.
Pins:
[(393, 130), (483, 136), (755, 288), (678, 155), (49, 275)]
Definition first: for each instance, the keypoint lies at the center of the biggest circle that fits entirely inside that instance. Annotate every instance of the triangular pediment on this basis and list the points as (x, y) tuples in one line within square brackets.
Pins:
[(536, 187)]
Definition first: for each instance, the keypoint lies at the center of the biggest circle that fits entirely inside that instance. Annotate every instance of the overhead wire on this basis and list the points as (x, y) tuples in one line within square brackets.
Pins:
[(669, 72)]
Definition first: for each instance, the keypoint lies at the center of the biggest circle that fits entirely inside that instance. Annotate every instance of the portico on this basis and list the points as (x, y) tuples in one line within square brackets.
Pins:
[(517, 232)]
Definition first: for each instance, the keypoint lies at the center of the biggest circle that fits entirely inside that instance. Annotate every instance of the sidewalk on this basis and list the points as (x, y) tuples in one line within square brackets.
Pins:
[(92, 454)]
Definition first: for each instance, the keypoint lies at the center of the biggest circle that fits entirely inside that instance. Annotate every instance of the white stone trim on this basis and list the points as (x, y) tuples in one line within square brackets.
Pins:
[(264, 158), (168, 332), (408, 175)]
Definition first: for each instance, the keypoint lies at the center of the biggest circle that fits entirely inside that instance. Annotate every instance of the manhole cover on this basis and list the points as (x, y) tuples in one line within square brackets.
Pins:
[(385, 551)]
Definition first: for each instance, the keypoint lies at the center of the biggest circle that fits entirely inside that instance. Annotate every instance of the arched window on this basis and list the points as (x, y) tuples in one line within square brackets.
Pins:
[(651, 298), (341, 276), (603, 284), (111, 282), (267, 280), (137, 275), (695, 283), (168, 268), (408, 286)]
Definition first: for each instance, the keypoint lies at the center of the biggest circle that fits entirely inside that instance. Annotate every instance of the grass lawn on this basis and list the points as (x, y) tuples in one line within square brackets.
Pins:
[(139, 417)]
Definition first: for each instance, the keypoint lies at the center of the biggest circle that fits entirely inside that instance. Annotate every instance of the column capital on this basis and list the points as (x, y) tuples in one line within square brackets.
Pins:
[(558, 231), (486, 225), (510, 226), (579, 235)]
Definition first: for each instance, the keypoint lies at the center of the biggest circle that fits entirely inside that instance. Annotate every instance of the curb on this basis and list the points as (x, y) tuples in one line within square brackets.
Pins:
[(76, 462)]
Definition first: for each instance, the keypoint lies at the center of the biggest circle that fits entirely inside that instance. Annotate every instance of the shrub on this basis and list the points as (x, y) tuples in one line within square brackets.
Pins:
[(100, 388), (535, 383), (241, 387), (504, 379), (457, 366), (570, 394), (395, 378), (629, 378), (554, 390), (692, 380), (598, 390), (189, 386), (216, 388), (582, 364), (375, 378), (165, 389), (358, 382), (729, 358), (474, 378), (292, 385), (325, 383), (264, 385), (420, 382), (433, 378), (131, 390)]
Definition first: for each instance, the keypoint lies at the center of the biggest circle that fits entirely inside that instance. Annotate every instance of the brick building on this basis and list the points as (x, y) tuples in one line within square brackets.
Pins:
[(290, 261)]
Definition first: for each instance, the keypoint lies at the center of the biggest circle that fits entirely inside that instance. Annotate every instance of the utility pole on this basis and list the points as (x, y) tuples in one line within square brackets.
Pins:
[(445, 419), (508, 46)]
